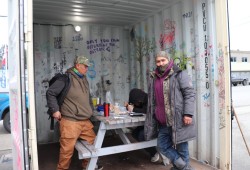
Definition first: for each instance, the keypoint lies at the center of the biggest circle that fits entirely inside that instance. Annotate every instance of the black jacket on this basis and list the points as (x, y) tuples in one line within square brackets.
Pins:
[(139, 99), (56, 93)]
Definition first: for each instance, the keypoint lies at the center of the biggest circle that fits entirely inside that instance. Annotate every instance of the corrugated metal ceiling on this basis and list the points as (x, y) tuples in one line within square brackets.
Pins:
[(114, 12)]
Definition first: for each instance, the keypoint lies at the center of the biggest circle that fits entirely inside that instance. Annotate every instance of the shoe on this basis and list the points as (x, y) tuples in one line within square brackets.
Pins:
[(180, 164), (174, 168), (97, 167), (156, 157), (164, 159), (188, 167)]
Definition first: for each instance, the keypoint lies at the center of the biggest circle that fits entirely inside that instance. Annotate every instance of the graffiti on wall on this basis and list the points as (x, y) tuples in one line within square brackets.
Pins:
[(221, 82), (77, 37), (3, 56), (167, 39), (187, 15), (16, 130), (103, 44), (57, 42), (3, 79), (204, 19), (3, 68)]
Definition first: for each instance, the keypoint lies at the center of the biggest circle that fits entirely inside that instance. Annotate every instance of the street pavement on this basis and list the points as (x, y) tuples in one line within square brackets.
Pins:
[(240, 154), (5, 149)]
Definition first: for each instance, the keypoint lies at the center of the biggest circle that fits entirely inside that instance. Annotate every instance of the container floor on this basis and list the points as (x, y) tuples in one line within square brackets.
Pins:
[(133, 160)]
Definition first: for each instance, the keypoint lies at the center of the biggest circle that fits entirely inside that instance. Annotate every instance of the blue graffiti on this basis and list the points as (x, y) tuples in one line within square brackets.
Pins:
[(3, 80), (206, 96), (91, 70)]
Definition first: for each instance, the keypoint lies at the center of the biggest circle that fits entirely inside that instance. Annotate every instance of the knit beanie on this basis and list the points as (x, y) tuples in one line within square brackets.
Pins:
[(162, 54)]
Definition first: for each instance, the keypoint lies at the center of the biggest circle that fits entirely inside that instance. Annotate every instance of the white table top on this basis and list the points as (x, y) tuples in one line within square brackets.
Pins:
[(119, 119)]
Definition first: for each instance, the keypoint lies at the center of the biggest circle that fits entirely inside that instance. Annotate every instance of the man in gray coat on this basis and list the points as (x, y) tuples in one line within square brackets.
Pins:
[(171, 111)]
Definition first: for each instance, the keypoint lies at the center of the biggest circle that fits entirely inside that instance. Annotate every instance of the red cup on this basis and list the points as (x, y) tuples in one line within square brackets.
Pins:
[(106, 109)]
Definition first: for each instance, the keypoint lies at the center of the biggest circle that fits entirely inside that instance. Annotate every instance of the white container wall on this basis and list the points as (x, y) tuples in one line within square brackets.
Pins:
[(55, 48), (188, 29)]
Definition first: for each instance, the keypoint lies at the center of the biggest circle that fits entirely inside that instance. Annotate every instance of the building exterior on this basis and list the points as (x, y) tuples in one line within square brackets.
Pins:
[(240, 64)]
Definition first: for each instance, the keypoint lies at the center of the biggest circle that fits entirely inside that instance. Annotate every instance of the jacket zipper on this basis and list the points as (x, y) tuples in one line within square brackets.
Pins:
[(174, 84)]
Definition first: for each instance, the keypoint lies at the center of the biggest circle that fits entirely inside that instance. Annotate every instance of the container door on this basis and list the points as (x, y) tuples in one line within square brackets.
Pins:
[(20, 38)]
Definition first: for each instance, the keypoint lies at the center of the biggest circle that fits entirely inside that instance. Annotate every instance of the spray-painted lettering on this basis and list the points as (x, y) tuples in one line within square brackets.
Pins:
[(204, 18), (103, 44), (77, 37), (187, 15), (57, 42)]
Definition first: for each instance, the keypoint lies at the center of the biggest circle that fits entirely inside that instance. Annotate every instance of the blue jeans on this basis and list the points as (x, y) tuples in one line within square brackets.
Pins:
[(165, 144), (138, 134)]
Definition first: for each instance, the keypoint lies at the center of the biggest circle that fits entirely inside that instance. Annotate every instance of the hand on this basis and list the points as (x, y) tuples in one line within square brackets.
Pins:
[(130, 108), (57, 115), (187, 120), (125, 104)]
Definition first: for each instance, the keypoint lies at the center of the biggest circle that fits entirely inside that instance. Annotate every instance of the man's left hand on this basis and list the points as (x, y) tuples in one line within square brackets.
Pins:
[(187, 120)]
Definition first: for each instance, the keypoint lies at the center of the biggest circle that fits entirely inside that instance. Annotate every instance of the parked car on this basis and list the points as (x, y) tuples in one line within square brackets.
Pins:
[(237, 80), (5, 110)]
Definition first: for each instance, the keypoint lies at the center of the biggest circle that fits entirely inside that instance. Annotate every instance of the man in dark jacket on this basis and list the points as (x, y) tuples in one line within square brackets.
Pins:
[(171, 107), (74, 113), (138, 102)]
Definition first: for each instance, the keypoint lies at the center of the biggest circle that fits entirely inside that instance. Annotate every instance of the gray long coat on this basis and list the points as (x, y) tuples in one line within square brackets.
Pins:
[(182, 99)]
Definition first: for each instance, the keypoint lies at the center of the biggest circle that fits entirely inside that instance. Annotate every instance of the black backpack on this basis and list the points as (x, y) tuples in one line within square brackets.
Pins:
[(60, 97)]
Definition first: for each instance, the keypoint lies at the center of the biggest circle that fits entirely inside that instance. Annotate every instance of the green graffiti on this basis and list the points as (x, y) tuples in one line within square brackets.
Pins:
[(143, 47)]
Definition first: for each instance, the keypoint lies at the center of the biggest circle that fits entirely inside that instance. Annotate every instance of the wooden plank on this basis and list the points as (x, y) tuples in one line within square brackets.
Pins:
[(127, 120), (123, 125), (83, 152), (125, 148), (135, 119), (123, 136), (90, 147), (142, 118)]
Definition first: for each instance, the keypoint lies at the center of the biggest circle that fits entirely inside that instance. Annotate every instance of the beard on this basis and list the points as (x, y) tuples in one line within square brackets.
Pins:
[(161, 69)]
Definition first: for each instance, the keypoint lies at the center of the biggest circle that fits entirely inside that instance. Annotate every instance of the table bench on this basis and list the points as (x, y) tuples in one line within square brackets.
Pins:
[(116, 123)]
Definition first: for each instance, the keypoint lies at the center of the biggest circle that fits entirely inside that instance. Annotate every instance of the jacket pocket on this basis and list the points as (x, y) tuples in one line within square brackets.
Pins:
[(179, 118), (67, 129)]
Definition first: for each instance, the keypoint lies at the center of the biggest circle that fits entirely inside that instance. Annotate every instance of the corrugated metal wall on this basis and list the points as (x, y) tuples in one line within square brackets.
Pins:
[(187, 29), (125, 57), (55, 48)]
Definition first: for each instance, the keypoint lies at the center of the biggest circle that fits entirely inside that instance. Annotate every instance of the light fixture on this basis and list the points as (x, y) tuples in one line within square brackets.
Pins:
[(77, 28)]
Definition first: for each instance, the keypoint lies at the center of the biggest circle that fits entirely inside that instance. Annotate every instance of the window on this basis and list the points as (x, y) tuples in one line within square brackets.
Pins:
[(233, 59), (244, 59)]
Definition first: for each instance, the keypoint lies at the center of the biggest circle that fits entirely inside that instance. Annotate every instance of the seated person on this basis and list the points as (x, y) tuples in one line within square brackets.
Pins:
[(137, 103)]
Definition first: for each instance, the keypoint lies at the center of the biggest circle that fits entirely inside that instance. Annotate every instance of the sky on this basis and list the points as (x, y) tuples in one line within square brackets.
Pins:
[(239, 24), (3, 22)]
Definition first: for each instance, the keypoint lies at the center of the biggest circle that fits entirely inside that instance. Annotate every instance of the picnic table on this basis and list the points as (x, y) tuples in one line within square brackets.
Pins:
[(116, 123)]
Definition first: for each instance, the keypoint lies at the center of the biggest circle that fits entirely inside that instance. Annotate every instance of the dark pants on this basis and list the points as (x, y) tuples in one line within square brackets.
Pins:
[(138, 134)]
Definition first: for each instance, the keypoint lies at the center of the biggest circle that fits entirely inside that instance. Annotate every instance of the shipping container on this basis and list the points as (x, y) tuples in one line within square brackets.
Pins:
[(120, 38)]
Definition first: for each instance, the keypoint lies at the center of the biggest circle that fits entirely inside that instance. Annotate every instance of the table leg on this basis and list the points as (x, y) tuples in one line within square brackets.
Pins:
[(100, 136), (97, 144), (92, 163), (123, 136)]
